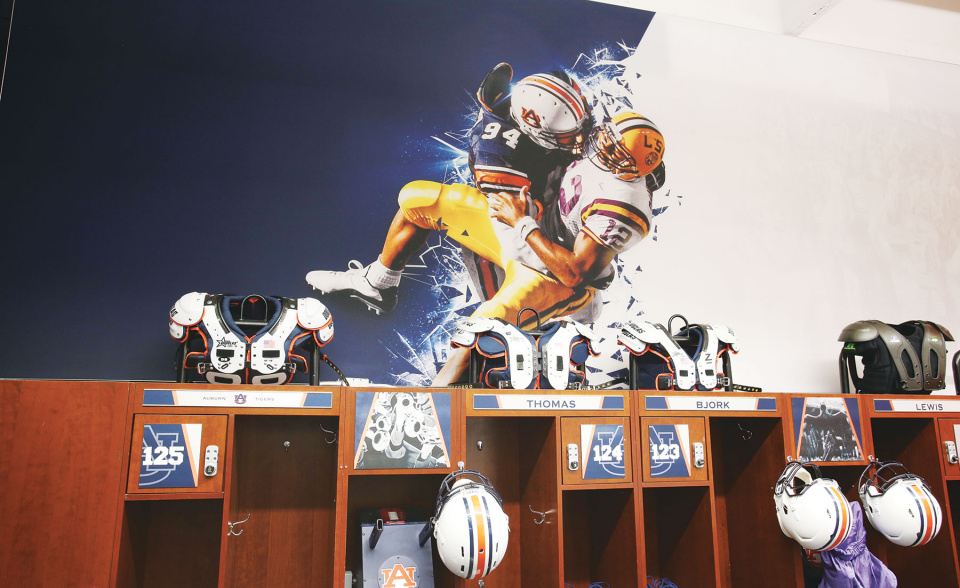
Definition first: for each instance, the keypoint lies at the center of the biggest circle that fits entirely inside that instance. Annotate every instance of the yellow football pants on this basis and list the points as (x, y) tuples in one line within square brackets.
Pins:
[(461, 211)]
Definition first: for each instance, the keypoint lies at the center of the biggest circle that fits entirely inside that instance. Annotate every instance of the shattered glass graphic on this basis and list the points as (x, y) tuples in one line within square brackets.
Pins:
[(607, 76)]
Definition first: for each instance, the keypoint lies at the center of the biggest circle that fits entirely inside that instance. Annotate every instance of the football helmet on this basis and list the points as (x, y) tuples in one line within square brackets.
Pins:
[(628, 145), (551, 109), (470, 527), (899, 504), (811, 509)]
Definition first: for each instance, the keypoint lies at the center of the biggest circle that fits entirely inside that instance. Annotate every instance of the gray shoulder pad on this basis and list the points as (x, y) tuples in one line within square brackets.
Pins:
[(314, 316), (859, 332), (188, 310), (946, 333)]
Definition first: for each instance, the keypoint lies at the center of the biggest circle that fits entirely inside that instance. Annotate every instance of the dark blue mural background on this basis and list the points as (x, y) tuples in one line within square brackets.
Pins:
[(148, 150)]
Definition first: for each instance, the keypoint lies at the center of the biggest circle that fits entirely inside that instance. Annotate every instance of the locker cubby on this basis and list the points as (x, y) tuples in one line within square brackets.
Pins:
[(283, 489), (521, 457), (914, 443), (678, 535), (748, 457), (410, 492), (599, 537), (170, 543)]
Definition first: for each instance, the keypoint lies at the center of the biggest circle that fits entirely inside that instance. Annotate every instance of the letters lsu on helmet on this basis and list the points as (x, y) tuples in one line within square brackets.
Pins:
[(470, 527), (628, 145), (551, 109), (811, 509), (899, 504)]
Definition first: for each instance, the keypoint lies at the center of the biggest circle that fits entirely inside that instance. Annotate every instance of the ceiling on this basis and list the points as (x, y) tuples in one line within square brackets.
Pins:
[(925, 29)]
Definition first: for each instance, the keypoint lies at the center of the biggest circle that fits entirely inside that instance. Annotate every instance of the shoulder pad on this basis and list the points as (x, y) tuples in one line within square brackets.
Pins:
[(495, 87), (584, 330), (726, 335), (314, 316), (467, 330), (480, 324), (859, 332), (944, 331), (188, 310), (636, 336)]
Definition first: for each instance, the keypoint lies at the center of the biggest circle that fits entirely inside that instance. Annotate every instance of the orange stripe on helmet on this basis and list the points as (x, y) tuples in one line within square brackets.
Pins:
[(841, 534), (480, 528), (573, 99)]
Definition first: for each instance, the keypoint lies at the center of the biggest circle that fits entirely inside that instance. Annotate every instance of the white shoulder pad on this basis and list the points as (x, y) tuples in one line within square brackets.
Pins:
[(726, 335), (312, 314), (188, 310), (480, 324), (636, 336), (581, 328)]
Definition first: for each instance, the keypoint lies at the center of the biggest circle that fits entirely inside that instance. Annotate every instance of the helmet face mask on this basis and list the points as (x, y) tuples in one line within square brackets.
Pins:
[(899, 504), (470, 528), (628, 146), (551, 109), (810, 509)]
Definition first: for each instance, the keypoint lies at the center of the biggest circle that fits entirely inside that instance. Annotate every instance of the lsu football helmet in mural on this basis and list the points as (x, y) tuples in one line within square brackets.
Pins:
[(811, 509), (470, 527), (551, 109), (628, 145), (899, 504)]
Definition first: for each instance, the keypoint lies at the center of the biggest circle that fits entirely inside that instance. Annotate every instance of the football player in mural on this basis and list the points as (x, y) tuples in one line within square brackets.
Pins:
[(585, 225)]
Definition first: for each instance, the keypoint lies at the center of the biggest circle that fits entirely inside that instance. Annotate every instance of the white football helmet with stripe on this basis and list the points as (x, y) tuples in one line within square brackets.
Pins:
[(811, 509), (899, 504), (470, 527), (551, 109)]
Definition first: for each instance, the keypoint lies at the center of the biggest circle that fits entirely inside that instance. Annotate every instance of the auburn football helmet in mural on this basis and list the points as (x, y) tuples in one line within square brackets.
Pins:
[(551, 109)]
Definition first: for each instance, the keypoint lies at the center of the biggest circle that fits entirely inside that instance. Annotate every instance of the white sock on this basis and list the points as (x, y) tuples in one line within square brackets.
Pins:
[(380, 276)]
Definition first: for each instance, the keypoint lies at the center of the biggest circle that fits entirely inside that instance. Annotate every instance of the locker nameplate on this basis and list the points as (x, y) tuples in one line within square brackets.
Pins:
[(928, 405), (546, 402), (711, 403), (250, 399)]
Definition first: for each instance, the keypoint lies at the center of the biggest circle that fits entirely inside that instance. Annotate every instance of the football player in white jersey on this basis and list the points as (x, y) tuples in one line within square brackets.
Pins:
[(603, 207)]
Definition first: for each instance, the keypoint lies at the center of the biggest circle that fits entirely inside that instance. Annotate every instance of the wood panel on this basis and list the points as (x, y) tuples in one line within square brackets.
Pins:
[(60, 480), (679, 535), (748, 457), (599, 538), (914, 443), (286, 481)]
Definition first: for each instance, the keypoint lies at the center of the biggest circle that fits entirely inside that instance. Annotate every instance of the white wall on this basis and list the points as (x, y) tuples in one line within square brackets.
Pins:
[(819, 186)]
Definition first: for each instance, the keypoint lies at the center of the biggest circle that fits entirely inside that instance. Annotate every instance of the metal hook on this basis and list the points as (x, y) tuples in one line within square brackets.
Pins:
[(229, 524), (747, 435), (543, 515), (332, 441), (286, 446)]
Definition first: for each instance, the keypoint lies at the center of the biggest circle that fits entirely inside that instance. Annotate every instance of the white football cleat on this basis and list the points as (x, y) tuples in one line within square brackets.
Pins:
[(355, 284)]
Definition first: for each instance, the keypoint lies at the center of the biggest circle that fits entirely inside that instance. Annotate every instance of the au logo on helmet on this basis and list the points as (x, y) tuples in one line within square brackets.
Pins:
[(399, 577), (531, 117)]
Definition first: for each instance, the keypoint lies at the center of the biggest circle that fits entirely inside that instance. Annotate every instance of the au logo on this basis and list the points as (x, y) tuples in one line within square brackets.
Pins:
[(399, 577), (240, 399), (530, 117)]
